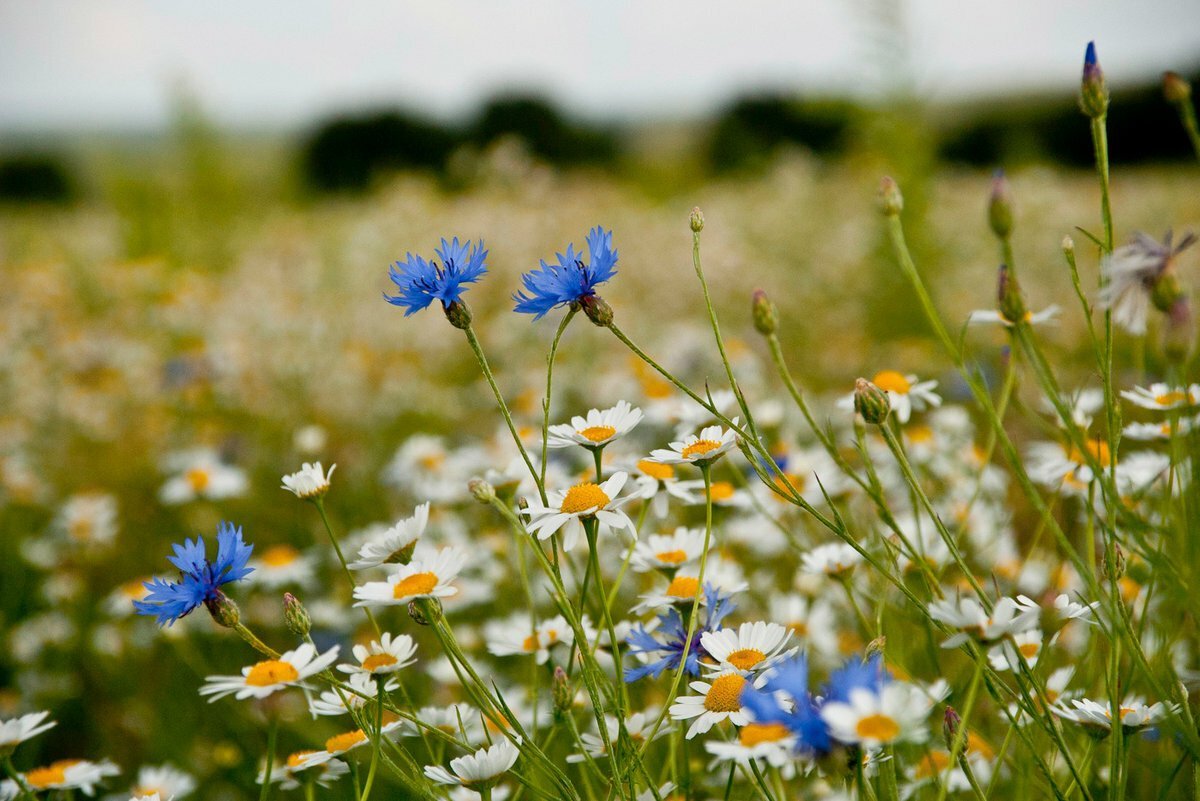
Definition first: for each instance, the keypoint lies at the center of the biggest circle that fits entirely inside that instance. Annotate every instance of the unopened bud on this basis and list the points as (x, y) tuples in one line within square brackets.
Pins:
[(871, 402), (597, 310), (481, 490), (1114, 563), (1068, 246), (459, 314), (766, 316), (1093, 91), (425, 611), (891, 202), (951, 723), (1012, 305), (1166, 290), (1176, 89), (564, 696), (295, 616), (874, 647), (1179, 333), (223, 610), (696, 219), (1000, 211)]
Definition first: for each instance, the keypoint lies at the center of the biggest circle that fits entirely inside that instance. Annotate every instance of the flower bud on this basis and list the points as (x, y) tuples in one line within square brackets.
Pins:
[(1114, 563), (696, 220), (1179, 333), (1012, 306), (223, 610), (1000, 212), (1093, 91), (871, 402), (1176, 89), (1068, 246), (874, 648), (296, 616), (481, 490), (564, 696), (459, 314), (597, 310), (891, 202), (951, 723), (425, 611), (766, 316)]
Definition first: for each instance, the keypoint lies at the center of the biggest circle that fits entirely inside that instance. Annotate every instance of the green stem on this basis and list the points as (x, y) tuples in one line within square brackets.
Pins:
[(546, 401), (366, 793), (319, 502), (1187, 116), (272, 731), (18, 779), (958, 746)]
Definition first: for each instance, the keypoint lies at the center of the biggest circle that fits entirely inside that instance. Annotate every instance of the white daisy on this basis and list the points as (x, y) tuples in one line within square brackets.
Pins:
[(485, 765), (1062, 466), (518, 635), (596, 430), (15, 731), (896, 713), (310, 439), (1134, 713), (751, 647), (363, 689), (637, 726), (309, 482), (1161, 397), (1024, 647), (385, 655), (266, 677), (200, 473), (1137, 471), (906, 394), (813, 622), (601, 501), (67, 774), (996, 317), (427, 577), (301, 767), (280, 566), (668, 552), (1159, 431), (710, 444), (393, 545), (657, 483), (347, 741), (720, 698), (89, 518), (166, 780), (832, 559), (773, 743), (152, 797), (968, 616)]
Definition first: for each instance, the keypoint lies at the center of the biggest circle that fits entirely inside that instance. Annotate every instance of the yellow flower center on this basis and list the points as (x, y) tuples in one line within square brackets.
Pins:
[(433, 461), (891, 381), (146, 789), (699, 448), (655, 470), (1172, 397), (676, 557), (725, 695), (932, 764), (272, 671), (1097, 448), (582, 497), (799, 628), (754, 733), (376, 661), (197, 479), (745, 658), (135, 589), (1030, 649), (683, 587), (416, 584), (977, 745), (920, 434), (280, 556), (80, 529), (294, 760), (345, 741), (722, 491), (52, 774), (877, 727), (597, 433)]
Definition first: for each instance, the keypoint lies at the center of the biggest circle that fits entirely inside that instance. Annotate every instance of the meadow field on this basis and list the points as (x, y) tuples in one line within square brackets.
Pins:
[(182, 338)]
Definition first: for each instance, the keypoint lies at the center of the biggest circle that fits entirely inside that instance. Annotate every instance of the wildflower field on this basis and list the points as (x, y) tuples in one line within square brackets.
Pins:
[(827, 488)]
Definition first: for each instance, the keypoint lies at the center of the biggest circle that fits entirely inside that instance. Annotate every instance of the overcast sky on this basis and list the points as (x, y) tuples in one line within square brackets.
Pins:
[(112, 63)]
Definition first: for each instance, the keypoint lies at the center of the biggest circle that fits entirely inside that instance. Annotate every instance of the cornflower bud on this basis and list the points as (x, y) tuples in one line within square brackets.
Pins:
[(459, 314), (295, 616), (951, 723), (564, 697), (1114, 563), (1176, 89), (696, 220), (891, 202), (481, 490), (223, 610), (871, 402), (766, 316), (1000, 212), (1093, 91), (1012, 306), (597, 310)]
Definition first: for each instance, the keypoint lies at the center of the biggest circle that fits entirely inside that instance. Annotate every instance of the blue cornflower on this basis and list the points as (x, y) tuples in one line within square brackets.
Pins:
[(670, 638), (569, 281), (857, 674), (199, 579), (421, 282), (802, 717)]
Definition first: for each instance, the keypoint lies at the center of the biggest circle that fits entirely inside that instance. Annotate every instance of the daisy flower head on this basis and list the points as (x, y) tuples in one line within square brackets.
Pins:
[(831, 559), (484, 766), (718, 699), (750, 648), (1060, 465), (704, 448), (200, 473), (264, 678), (281, 565), (570, 281), (301, 767), (668, 552), (165, 780), (1161, 397), (519, 635), (1132, 275), (309, 482), (199, 579), (89, 518), (905, 392), (1144, 432), (773, 743), (394, 545), (1008, 617), (386, 655), (362, 688), (155, 796), (426, 577), (582, 501), (638, 726), (420, 282), (15, 731), (597, 429), (996, 317), (65, 774), (875, 716), (1097, 715)]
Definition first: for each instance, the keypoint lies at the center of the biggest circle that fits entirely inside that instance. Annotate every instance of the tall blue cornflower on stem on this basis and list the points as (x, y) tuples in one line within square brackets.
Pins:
[(571, 282), (420, 282), (200, 580), (670, 640)]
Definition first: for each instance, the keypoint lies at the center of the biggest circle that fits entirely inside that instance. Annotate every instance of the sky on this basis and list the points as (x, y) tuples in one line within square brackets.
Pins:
[(114, 64)]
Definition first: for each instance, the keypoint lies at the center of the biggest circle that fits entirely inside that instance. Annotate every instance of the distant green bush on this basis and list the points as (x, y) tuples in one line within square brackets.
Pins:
[(749, 131), (35, 178)]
